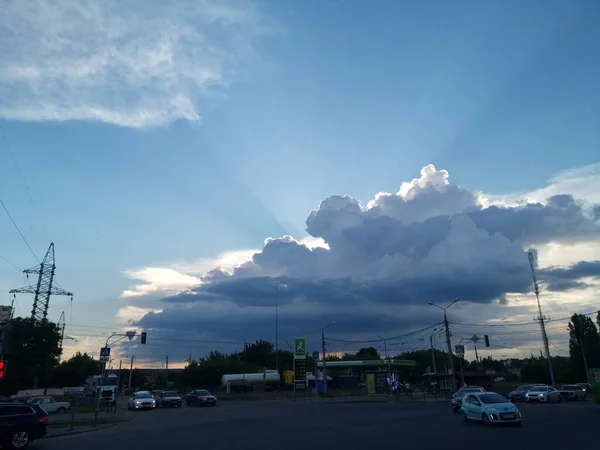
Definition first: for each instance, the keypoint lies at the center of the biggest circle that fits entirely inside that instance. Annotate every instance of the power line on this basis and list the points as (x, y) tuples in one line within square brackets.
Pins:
[(516, 324), (9, 262), (19, 230), (412, 333)]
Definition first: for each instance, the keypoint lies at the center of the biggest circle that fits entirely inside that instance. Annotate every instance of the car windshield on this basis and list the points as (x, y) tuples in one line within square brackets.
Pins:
[(203, 393), (143, 395), (490, 399), (538, 389), (169, 394), (570, 387), (524, 388)]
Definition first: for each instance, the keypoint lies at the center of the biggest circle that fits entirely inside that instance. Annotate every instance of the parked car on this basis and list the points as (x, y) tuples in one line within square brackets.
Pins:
[(489, 408), (457, 397), (21, 424), (542, 394), (200, 397), (50, 405), (519, 393), (572, 392), (587, 387), (141, 400), (167, 399)]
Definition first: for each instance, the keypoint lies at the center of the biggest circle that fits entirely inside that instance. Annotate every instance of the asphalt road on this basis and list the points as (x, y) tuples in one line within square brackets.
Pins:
[(323, 426)]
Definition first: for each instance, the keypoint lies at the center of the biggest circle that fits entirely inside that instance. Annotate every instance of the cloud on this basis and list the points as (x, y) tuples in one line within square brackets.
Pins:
[(132, 64), (374, 268)]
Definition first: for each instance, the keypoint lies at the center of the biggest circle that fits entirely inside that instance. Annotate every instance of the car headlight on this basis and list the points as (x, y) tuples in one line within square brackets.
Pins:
[(137, 402)]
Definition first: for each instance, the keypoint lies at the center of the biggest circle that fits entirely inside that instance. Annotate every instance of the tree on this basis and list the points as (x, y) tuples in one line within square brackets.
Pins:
[(32, 350), (367, 353), (260, 354), (584, 345), (75, 370)]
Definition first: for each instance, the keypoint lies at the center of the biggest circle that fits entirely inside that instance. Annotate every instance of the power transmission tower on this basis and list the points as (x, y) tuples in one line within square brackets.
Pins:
[(541, 318), (44, 288)]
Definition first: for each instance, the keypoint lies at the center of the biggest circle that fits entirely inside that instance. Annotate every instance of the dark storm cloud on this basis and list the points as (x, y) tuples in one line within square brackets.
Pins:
[(561, 218), (563, 279)]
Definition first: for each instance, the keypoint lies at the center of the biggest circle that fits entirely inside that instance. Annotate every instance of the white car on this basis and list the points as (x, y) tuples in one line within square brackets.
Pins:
[(489, 408), (141, 400), (50, 405), (542, 394)]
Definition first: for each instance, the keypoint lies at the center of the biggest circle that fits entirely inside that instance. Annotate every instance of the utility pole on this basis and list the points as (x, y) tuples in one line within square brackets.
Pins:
[(119, 379), (585, 364), (130, 372), (447, 328), (166, 370), (324, 365), (541, 319), (44, 287), (277, 327), (432, 351), (450, 358), (324, 359)]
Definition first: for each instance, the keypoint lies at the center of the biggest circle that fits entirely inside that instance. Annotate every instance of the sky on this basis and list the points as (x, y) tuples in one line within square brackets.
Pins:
[(187, 157)]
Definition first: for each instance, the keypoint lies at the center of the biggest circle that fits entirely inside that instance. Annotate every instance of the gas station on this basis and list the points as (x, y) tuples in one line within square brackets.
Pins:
[(376, 376)]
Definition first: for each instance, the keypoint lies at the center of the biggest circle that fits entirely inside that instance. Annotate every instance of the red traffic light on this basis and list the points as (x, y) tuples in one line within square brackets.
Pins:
[(3, 365)]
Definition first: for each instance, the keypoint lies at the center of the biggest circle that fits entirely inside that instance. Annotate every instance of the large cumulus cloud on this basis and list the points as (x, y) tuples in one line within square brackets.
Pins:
[(383, 262)]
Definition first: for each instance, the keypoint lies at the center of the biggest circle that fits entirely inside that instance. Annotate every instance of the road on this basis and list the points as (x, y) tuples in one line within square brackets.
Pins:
[(323, 426)]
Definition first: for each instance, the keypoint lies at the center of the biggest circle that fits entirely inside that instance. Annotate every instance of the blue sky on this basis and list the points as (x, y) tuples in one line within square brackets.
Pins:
[(127, 164)]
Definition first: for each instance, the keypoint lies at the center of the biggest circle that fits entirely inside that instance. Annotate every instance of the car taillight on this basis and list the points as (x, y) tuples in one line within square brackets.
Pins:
[(42, 419)]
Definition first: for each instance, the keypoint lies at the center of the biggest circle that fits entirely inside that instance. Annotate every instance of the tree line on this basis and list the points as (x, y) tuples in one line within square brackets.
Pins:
[(33, 354)]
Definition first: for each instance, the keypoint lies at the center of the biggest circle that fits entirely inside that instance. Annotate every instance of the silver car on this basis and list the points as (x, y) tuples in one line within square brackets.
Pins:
[(542, 394), (141, 400)]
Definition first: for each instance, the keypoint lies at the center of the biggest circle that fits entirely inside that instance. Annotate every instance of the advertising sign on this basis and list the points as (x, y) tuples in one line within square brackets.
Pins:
[(300, 379), (299, 348)]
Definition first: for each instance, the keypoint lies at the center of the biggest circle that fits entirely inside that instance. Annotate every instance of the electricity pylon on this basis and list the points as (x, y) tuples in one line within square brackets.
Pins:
[(44, 288)]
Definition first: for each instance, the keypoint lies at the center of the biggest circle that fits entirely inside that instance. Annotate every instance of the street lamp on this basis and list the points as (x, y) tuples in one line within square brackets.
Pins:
[(277, 284), (447, 328), (128, 334), (324, 358)]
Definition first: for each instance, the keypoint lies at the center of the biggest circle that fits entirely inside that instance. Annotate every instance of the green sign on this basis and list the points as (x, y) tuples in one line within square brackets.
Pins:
[(299, 348), (393, 362)]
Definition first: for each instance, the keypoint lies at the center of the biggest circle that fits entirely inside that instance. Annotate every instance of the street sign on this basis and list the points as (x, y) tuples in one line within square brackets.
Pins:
[(316, 356), (459, 349), (104, 354), (475, 339), (300, 348)]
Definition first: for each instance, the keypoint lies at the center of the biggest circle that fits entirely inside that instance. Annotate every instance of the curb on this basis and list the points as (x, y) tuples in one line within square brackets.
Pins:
[(72, 433), (88, 421)]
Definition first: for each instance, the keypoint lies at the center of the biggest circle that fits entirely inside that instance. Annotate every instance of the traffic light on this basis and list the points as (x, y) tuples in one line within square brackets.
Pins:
[(487, 340), (143, 337), (3, 365)]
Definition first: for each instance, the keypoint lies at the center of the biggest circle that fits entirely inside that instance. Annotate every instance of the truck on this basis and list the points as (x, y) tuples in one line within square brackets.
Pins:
[(109, 389), (268, 379)]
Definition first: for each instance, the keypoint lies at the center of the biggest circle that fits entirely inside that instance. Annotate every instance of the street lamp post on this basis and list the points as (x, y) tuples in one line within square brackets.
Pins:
[(243, 368), (277, 327), (432, 351), (130, 335), (447, 328), (324, 358)]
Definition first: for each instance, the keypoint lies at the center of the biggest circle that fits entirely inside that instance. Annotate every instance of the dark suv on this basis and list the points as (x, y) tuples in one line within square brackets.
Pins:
[(20, 424)]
